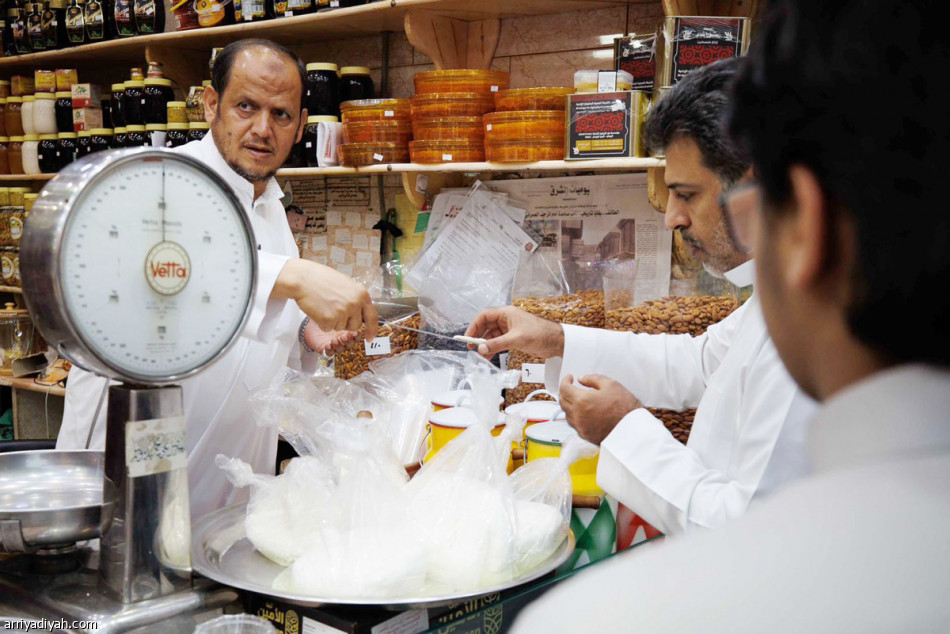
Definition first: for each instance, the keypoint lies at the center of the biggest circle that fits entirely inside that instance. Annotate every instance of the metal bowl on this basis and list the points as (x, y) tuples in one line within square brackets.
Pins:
[(52, 499)]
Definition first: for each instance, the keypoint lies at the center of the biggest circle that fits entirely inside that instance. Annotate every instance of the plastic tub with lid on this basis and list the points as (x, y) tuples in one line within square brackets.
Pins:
[(453, 104), (548, 98), (544, 440), (461, 80), (374, 109), (446, 151)]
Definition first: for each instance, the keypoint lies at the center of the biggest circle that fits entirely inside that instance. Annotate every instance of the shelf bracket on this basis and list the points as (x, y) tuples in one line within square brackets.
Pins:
[(453, 43), (723, 8), (435, 182), (657, 191)]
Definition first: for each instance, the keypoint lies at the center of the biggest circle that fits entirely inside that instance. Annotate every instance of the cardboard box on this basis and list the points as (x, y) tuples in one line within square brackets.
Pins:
[(44, 80), (65, 78), (605, 125), (20, 85), (691, 42), (587, 81), (86, 95), (636, 54), (86, 119)]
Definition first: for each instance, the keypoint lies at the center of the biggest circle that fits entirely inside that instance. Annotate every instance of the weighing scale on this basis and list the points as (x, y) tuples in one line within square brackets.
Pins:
[(138, 265)]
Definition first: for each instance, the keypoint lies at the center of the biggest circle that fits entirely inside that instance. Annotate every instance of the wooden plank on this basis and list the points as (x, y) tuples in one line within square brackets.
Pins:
[(725, 8), (632, 164), (445, 40), (30, 385)]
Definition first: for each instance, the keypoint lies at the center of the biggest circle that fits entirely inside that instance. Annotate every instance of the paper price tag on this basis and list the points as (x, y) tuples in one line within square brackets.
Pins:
[(309, 145), (378, 346), (389, 113), (446, 157), (488, 128), (377, 157), (494, 88), (532, 373)]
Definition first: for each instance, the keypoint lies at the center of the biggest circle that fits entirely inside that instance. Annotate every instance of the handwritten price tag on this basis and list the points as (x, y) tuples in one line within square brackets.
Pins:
[(379, 346), (532, 373)]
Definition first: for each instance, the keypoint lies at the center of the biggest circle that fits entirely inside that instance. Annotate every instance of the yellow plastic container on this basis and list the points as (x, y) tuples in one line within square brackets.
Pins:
[(544, 441), (524, 151), (534, 412), (357, 154), (374, 109), (377, 131), (455, 398), (551, 98), (448, 128), (448, 424), (467, 80), (525, 124), (447, 151), (452, 104)]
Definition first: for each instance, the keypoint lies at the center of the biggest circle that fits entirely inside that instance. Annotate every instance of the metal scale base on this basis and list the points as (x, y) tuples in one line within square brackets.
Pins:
[(34, 587)]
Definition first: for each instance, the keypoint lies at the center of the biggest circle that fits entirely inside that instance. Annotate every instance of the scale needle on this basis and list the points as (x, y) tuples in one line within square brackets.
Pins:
[(161, 202)]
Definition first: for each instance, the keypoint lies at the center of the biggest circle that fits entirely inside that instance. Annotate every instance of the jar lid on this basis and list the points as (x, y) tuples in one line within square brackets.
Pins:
[(31, 196), (47, 137), (48, 95), (118, 87), (4, 139), (354, 70), (67, 135), (205, 83), (3, 100), (14, 99), (155, 127), (157, 81), (20, 190), (177, 126), (58, 4), (323, 66), (135, 128), (84, 133), (31, 137), (16, 139), (200, 125), (120, 130), (4, 82), (10, 309), (101, 131), (135, 83), (63, 93), (175, 104), (28, 98), (322, 119)]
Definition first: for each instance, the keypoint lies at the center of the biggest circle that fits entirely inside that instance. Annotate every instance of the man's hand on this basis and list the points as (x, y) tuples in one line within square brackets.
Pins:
[(332, 300), (325, 342), (508, 328), (594, 413)]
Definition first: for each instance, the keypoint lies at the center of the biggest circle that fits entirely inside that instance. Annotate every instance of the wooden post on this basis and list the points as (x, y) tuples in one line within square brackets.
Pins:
[(453, 43)]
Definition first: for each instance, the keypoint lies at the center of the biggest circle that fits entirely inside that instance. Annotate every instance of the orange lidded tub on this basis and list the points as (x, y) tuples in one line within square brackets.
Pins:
[(533, 98), (452, 104), (524, 124), (447, 151), (357, 154), (382, 130), (524, 151), (374, 109), (468, 80), (448, 128)]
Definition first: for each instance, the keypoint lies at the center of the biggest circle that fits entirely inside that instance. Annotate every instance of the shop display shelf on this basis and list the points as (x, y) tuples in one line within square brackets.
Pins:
[(24, 178), (633, 164), (30, 385)]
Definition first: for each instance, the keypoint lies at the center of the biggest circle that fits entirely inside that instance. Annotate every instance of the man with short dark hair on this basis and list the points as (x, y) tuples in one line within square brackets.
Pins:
[(850, 227), (746, 438), (254, 106)]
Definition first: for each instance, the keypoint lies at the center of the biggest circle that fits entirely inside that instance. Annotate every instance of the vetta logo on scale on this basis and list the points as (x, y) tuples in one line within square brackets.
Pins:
[(167, 268)]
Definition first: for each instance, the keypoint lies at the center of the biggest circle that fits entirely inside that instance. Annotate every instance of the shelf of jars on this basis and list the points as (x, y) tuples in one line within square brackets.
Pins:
[(629, 164), (366, 19)]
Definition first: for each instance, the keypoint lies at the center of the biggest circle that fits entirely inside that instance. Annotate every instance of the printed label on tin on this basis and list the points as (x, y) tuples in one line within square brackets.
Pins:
[(155, 446)]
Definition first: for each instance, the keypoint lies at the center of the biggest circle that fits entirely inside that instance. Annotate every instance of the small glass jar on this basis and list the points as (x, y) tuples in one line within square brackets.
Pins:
[(158, 92), (156, 133), (214, 12), (197, 131), (83, 144), (4, 196), (177, 135), (30, 154), (76, 22), (66, 146), (100, 139), (54, 24), (4, 88), (64, 112), (310, 138), (3, 121), (323, 90), (4, 155), (195, 104), (186, 17), (176, 112), (44, 113), (120, 137), (34, 25), (26, 114), (123, 18), (13, 117), (15, 154), (134, 102), (149, 16), (118, 105), (252, 10), (135, 136), (356, 83), (48, 154), (94, 16)]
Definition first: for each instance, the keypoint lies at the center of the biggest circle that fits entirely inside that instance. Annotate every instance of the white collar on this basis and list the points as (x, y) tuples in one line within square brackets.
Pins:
[(896, 412), (742, 275), (243, 188)]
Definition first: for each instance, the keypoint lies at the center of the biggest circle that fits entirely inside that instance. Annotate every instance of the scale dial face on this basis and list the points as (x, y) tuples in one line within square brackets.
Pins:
[(156, 267)]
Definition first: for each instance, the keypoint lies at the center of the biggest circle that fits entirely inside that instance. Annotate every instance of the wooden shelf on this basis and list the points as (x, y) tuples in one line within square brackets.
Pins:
[(23, 178), (31, 386), (10, 289), (635, 164), (377, 17)]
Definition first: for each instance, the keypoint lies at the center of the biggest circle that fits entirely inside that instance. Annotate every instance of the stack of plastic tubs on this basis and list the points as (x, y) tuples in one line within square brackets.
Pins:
[(447, 114), (528, 125), (375, 131)]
